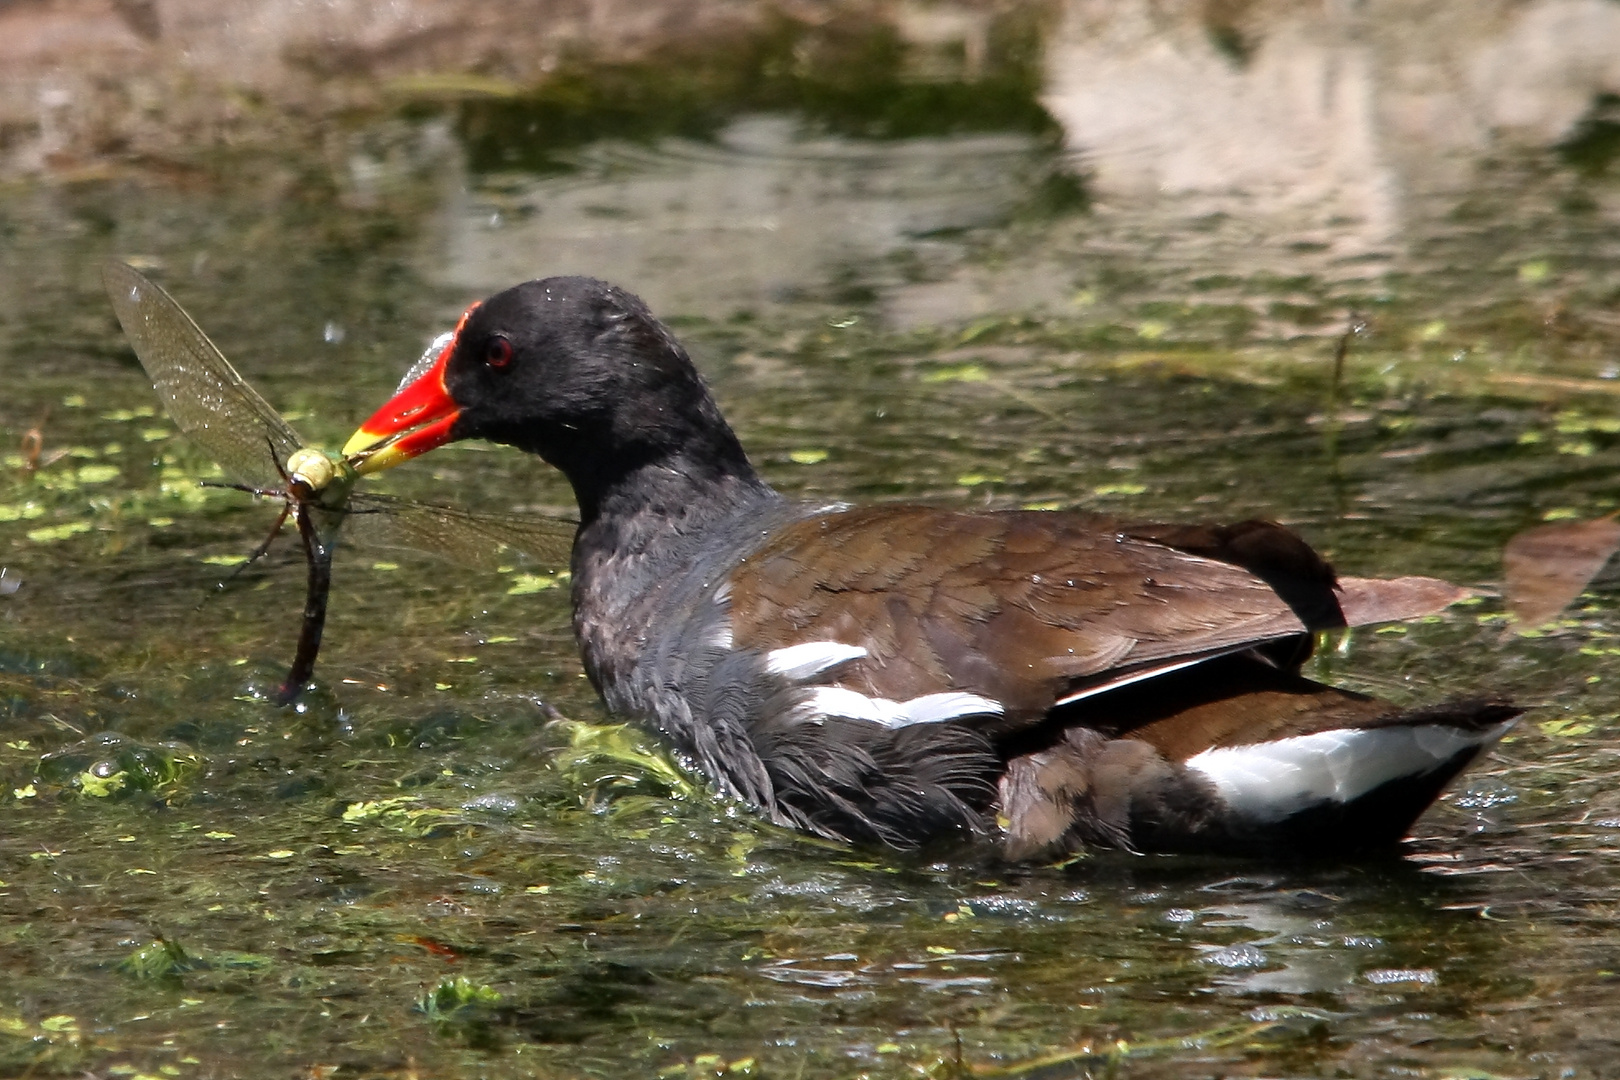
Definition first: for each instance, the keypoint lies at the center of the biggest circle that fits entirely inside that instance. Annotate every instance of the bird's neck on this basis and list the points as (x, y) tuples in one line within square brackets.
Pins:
[(641, 540), (680, 472), (665, 499), (644, 507)]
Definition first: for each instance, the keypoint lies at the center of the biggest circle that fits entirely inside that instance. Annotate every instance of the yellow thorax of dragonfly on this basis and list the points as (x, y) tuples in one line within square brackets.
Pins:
[(319, 477)]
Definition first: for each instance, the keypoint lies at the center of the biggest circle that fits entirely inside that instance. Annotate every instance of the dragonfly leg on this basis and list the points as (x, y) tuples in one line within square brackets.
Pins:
[(275, 530), (260, 551), (281, 469), (257, 492)]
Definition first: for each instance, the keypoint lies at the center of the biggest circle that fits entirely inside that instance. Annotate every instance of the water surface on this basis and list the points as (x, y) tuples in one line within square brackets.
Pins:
[(443, 863)]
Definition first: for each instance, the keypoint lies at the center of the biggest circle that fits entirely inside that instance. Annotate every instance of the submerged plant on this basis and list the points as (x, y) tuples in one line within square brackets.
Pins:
[(166, 960), (109, 764), (462, 1007)]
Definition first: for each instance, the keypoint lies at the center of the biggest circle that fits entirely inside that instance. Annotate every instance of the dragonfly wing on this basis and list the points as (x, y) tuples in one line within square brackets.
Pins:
[(463, 536), (204, 395)]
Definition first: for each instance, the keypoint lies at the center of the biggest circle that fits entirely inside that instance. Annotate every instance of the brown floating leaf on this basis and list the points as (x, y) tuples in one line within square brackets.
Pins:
[(1376, 600), (34, 457), (1547, 567)]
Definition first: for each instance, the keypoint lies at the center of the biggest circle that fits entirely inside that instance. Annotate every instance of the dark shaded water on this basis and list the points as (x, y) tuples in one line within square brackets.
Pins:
[(440, 865)]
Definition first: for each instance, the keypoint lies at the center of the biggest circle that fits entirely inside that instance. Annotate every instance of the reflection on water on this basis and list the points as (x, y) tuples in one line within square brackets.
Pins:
[(1333, 149), (1339, 114), (1087, 254), (1287, 128), (762, 216)]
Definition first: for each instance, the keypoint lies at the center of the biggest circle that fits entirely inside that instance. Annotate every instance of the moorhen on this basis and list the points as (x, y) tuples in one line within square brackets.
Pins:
[(901, 675)]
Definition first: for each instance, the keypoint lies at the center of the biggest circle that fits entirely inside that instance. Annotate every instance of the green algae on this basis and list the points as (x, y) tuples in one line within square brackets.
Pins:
[(450, 861)]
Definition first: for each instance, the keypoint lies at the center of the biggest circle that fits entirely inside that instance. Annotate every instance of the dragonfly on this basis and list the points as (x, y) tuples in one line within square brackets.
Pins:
[(262, 455)]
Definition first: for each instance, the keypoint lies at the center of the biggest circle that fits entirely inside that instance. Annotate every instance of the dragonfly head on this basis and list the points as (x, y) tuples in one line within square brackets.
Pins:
[(314, 474)]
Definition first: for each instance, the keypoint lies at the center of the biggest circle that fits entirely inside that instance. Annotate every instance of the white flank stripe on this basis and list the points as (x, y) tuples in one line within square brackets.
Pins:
[(720, 636), (929, 709), (1138, 676), (1273, 780), (932, 708), (837, 701), (799, 662)]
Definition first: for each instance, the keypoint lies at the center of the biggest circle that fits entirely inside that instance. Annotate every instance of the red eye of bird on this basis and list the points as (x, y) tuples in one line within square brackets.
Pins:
[(498, 352)]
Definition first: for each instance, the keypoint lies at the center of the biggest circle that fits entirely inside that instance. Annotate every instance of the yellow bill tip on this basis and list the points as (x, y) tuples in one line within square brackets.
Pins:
[(361, 441)]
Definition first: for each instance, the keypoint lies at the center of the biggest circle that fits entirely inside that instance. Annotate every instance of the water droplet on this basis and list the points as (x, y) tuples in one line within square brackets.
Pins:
[(1237, 957), (1391, 976)]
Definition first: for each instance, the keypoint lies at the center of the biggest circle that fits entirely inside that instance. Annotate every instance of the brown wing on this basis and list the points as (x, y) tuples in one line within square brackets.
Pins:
[(1017, 606)]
